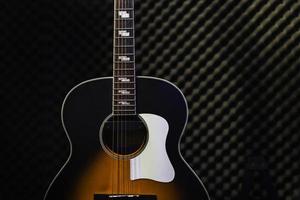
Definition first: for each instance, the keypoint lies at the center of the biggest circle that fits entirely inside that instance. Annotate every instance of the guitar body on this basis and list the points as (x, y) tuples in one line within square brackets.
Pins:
[(157, 170)]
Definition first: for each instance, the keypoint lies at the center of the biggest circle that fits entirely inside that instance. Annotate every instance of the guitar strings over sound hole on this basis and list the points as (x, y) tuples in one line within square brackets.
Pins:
[(123, 136)]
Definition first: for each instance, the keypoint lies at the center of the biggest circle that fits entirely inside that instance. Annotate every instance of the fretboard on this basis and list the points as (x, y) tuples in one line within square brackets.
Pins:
[(124, 94)]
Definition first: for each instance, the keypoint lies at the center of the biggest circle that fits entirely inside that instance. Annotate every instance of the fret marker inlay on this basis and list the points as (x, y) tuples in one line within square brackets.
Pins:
[(124, 92), (124, 14), (124, 103), (124, 33), (124, 80), (124, 58)]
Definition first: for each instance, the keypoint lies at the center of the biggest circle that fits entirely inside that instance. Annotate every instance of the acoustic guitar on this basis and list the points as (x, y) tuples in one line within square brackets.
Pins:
[(124, 133)]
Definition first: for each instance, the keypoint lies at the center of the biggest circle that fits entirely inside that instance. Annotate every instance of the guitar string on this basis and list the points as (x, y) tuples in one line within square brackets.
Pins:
[(125, 138), (113, 102), (122, 122), (115, 180), (128, 162), (133, 26), (122, 107), (133, 71), (124, 114), (118, 120)]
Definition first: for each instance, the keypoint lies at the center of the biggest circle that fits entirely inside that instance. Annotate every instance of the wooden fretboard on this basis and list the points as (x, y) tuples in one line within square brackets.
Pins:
[(124, 94)]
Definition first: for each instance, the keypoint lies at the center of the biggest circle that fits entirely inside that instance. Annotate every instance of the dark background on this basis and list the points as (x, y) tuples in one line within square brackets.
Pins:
[(237, 62)]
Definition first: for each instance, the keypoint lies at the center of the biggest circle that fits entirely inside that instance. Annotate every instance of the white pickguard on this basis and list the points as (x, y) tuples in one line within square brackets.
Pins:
[(153, 163)]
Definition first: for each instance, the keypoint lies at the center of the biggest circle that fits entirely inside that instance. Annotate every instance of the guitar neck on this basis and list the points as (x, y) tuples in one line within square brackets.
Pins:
[(124, 90)]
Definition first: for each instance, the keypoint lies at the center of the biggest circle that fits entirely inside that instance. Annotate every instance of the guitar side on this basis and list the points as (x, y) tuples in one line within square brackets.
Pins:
[(89, 170)]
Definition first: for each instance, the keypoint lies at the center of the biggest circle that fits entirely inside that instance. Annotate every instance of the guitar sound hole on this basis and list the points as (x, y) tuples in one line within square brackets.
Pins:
[(124, 136)]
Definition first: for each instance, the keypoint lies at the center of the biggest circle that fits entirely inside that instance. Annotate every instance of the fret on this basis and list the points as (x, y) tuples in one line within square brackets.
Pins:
[(124, 108), (124, 100), (122, 88), (130, 98), (124, 78), (124, 4), (123, 19), (124, 112), (127, 50), (124, 69), (124, 74), (124, 24), (124, 65), (124, 97), (125, 85), (117, 29), (118, 62), (124, 41), (125, 105), (124, 46), (125, 53), (125, 37), (124, 9)]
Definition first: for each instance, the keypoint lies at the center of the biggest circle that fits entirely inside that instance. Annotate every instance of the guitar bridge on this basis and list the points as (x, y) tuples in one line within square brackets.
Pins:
[(123, 197)]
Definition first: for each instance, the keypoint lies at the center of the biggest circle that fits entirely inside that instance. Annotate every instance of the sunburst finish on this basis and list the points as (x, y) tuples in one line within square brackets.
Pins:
[(90, 170)]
